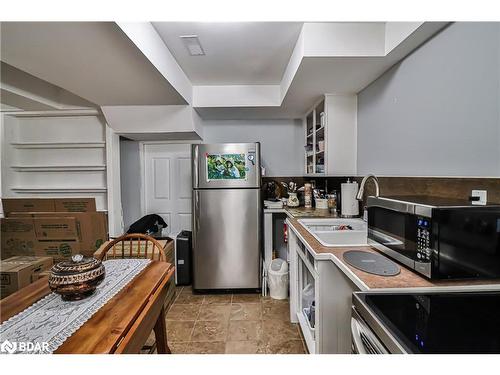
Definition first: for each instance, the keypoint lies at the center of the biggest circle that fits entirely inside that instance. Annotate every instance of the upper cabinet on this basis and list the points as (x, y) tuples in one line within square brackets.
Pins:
[(330, 136)]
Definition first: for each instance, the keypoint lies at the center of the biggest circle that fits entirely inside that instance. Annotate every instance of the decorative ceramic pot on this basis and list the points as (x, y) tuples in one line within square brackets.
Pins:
[(293, 201), (77, 278)]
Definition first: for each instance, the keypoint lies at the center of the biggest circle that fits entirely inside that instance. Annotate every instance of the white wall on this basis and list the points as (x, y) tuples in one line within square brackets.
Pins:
[(437, 112), (130, 176), (282, 141)]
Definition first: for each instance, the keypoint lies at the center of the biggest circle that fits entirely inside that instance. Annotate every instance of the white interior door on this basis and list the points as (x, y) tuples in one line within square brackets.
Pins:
[(167, 185)]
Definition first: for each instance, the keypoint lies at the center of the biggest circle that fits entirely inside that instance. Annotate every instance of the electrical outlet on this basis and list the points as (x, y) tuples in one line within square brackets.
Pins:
[(483, 197)]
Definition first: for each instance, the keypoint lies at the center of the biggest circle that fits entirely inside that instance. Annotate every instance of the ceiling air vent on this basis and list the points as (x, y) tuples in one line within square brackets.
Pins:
[(193, 45)]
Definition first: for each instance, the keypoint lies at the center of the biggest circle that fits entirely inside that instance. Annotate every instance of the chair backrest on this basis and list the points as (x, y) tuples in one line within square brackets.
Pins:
[(134, 245)]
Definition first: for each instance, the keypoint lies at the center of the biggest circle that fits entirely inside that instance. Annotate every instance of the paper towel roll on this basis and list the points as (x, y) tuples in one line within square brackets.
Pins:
[(350, 205)]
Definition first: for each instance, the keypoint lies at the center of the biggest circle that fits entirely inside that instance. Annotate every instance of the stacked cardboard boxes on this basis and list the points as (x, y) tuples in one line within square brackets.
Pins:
[(58, 228), (18, 272)]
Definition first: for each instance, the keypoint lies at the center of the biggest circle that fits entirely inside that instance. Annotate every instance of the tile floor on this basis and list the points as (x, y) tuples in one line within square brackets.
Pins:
[(232, 324)]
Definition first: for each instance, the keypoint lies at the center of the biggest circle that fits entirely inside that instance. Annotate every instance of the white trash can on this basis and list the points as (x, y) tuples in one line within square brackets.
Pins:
[(278, 279)]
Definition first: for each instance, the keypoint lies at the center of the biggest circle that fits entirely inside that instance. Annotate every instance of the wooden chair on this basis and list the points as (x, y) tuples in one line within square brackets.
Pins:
[(133, 245)]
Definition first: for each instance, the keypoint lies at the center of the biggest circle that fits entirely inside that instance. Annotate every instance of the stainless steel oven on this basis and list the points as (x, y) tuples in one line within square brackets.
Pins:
[(427, 322), (437, 237)]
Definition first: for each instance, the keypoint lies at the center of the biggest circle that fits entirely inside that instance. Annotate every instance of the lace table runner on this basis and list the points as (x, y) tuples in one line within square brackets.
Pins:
[(45, 325)]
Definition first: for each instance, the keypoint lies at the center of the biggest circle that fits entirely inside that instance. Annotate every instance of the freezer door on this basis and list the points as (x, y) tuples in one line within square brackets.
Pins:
[(226, 165), (226, 239)]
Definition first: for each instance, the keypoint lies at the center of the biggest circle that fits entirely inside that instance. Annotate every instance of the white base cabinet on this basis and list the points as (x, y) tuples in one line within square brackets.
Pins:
[(333, 290)]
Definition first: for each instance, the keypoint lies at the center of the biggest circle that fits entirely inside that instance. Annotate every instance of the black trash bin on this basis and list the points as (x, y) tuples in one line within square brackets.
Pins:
[(183, 258)]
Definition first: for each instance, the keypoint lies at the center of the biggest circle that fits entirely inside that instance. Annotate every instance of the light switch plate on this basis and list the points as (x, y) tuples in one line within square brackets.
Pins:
[(483, 197)]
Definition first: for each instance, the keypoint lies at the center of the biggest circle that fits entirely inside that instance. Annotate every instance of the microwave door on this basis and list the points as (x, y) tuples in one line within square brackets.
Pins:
[(393, 233)]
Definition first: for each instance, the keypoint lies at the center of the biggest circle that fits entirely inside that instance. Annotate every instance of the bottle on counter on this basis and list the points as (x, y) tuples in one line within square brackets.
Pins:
[(308, 195)]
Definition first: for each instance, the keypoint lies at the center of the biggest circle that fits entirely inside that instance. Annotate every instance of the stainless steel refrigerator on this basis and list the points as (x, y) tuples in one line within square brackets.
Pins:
[(227, 216)]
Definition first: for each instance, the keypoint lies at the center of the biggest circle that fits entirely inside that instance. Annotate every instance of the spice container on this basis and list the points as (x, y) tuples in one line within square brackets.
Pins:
[(332, 201), (321, 203)]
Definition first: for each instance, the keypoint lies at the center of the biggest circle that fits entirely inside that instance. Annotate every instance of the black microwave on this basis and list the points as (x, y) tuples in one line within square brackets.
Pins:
[(438, 238)]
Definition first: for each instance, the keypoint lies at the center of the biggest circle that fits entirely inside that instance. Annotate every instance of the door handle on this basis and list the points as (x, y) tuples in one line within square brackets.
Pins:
[(357, 344), (197, 210), (195, 171)]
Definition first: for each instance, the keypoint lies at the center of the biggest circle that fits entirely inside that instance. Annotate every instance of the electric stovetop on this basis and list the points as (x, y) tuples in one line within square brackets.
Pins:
[(440, 322)]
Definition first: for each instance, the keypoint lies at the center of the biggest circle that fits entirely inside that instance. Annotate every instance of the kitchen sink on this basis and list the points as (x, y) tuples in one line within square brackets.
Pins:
[(332, 232)]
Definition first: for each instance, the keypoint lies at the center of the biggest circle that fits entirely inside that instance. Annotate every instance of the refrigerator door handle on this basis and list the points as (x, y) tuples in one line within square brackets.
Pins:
[(196, 171), (197, 210)]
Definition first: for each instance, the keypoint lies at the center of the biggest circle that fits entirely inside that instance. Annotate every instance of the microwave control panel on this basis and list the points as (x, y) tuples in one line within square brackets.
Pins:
[(423, 239)]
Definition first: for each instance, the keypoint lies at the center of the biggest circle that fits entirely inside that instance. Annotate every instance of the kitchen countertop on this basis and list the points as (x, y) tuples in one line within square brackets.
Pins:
[(366, 281)]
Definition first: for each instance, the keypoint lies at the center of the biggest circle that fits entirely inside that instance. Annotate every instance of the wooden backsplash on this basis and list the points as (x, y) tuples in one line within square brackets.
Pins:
[(459, 188), (448, 187)]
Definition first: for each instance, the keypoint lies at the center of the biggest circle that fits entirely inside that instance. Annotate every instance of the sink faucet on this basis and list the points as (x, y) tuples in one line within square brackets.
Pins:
[(359, 196)]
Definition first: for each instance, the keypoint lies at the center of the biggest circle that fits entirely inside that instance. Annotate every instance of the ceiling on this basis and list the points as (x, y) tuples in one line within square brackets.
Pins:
[(236, 53), (250, 70), (94, 60)]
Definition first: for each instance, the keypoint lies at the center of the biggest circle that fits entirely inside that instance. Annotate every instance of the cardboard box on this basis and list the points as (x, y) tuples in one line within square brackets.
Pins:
[(55, 228), (58, 237), (48, 205), (74, 205), (22, 205), (91, 227), (58, 250), (18, 237), (20, 271)]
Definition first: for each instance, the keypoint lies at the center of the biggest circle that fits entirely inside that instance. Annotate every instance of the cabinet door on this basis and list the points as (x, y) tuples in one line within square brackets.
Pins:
[(334, 312), (341, 134)]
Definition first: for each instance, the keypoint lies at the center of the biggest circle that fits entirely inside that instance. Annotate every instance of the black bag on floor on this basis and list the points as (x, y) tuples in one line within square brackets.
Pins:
[(148, 224)]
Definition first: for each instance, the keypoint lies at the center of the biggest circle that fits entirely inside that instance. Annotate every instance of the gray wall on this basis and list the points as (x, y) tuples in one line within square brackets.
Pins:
[(282, 153), (437, 112), (282, 141), (130, 176)]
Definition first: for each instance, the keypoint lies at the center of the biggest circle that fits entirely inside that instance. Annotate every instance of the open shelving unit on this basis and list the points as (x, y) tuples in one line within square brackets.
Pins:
[(55, 154), (315, 139), (57, 145), (331, 136)]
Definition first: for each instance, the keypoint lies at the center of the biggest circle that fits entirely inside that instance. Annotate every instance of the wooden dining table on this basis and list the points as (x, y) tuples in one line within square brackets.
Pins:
[(122, 325)]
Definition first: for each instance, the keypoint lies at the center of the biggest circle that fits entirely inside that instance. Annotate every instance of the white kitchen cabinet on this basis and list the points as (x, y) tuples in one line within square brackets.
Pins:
[(333, 292), (303, 273), (331, 136)]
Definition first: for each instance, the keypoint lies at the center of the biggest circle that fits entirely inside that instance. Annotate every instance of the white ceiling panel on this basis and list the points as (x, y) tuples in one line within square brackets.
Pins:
[(94, 60), (242, 53)]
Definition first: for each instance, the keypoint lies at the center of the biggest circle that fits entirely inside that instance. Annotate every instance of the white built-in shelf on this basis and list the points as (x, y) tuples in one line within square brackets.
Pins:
[(35, 145), (312, 122), (58, 168), (54, 113), (48, 190)]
